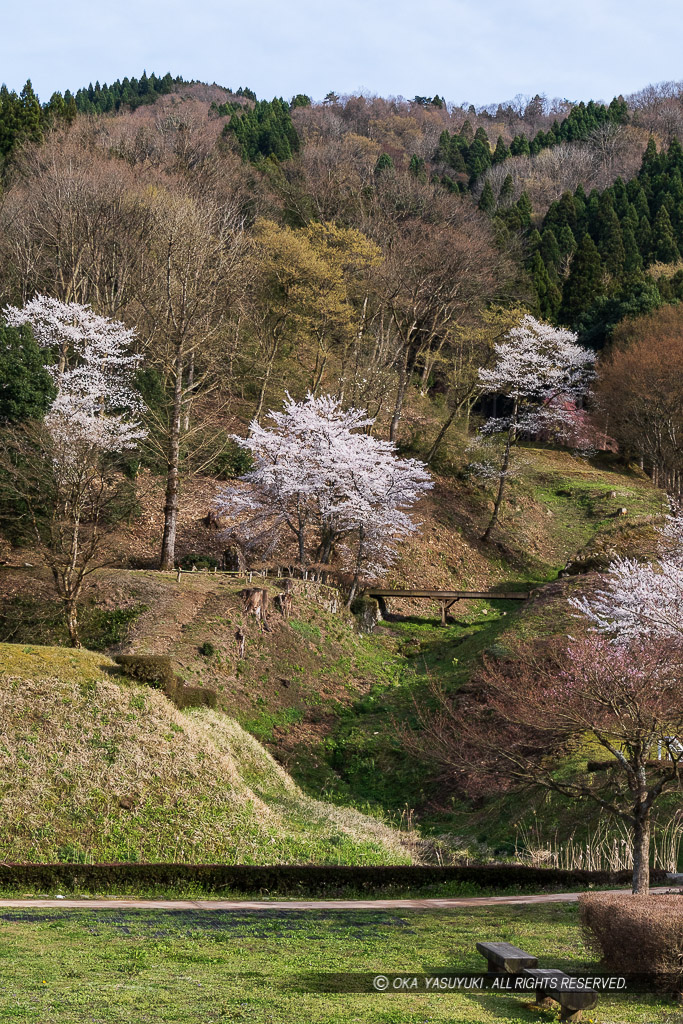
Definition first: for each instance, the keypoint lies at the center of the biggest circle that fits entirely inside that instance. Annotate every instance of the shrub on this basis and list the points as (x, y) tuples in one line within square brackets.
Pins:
[(106, 628), (312, 880), (637, 934), (198, 561), (157, 671), (207, 650), (154, 669)]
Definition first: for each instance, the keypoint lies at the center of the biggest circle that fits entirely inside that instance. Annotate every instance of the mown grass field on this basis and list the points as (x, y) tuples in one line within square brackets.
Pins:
[(211, 967)]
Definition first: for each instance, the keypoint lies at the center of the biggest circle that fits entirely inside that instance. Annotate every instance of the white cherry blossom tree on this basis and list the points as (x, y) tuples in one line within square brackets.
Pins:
[(642, 600), (320, 475), (537, 371), (62, 469), (97, 406)]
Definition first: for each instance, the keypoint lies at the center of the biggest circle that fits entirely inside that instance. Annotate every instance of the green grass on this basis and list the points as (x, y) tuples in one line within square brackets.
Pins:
[(95, 767), (207, 967)]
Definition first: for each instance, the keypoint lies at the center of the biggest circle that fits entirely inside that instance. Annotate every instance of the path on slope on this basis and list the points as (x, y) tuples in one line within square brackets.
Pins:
[(397, 904)]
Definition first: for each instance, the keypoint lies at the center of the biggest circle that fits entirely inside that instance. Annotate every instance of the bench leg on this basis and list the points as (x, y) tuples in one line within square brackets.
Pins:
[(567, 1014), (542, 999)]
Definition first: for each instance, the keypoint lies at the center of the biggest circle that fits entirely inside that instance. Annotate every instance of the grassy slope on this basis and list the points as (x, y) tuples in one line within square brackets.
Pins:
[(203, 967), (76, 743), (324, 699)]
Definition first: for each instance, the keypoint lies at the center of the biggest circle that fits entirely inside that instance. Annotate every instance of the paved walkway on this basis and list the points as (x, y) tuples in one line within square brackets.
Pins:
[(397, 904)]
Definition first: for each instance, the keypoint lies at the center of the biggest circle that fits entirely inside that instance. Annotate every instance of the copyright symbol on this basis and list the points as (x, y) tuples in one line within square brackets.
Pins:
[(380, 983)]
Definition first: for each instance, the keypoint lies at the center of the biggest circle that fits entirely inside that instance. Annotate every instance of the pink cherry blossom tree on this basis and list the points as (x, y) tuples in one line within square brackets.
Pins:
[(321, 476), (538, 370), (63, 469), (612, 711)]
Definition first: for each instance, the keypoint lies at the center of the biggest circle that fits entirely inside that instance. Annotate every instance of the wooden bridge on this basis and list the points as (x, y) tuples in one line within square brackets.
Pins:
[(447, 598)]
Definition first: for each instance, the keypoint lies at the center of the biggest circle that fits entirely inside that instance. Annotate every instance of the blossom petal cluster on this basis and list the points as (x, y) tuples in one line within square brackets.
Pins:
[(538, 361), (96, 402), (319, 466), (641, 600)]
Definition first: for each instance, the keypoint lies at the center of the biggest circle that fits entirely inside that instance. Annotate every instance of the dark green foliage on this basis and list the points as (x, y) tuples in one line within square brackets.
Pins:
[(29, 620), (154, 669), (231, 462), (157, 671), (524, 209), (264, 130), (207, 650), (520, 146), (131, 92), (102, 629), (614, 236), (501, 152), (194, 561), (300, 100), (638, 297), (384, 163), (549, 294), (26, 388), (585, 282), (566, 241), (487, 201), (225, 109), (296, 879), (418, 168), (21, 118), (663, 245)]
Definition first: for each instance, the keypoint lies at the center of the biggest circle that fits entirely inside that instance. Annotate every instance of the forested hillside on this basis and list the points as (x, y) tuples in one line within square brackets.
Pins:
[(363, 339)]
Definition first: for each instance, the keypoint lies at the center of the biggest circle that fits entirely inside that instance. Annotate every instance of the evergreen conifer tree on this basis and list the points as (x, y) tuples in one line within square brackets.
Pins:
[(525, 210), (584, 283), (664, 247), (487, 201), (507, 191), (384, 163), (501, 152)]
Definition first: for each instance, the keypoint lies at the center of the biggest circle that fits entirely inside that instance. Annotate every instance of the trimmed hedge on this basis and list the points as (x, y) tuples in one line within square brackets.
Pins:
[(157, 671), (637, 934), (299, 879)]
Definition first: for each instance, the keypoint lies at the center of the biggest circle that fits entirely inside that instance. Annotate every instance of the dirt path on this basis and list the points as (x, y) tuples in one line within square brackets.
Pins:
[(397, 904)]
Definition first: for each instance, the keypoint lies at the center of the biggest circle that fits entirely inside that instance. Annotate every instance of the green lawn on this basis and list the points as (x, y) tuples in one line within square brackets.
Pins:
[(208, 966)]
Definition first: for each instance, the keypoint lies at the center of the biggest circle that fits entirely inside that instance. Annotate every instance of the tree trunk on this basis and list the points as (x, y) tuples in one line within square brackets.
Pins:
[(512, 432), (641, 853), (439, 438), (501, 491), (71, 610), (173, 472), (400, 395)]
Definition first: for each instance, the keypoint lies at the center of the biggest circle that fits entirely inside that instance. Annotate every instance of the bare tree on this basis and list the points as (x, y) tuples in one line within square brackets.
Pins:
[(189, 268), (524, 715)]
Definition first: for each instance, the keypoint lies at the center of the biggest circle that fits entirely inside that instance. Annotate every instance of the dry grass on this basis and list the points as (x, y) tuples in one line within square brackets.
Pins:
[(93, 768)]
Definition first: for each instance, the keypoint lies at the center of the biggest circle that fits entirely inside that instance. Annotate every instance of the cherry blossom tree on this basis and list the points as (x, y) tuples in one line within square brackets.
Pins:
[(96, 405), (538, 370), (62, 471), (320, 475), (611, 711), (641, 600)]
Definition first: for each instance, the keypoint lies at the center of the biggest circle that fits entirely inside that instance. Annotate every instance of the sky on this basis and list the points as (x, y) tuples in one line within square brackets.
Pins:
[(466, 50)]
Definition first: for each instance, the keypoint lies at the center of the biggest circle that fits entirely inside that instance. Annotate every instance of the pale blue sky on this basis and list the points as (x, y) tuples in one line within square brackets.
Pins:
[(467, 50)]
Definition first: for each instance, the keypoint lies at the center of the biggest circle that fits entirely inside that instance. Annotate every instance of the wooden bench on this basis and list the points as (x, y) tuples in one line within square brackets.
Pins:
[(504, 958), (549, 986)]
